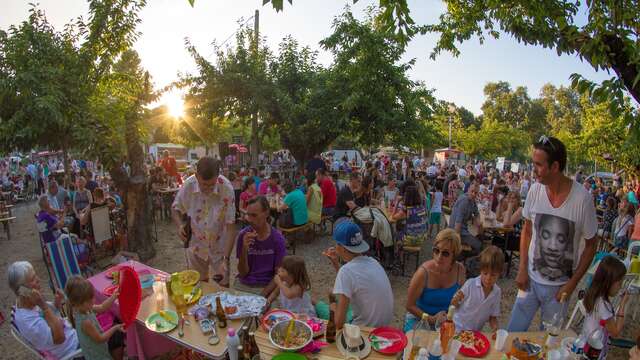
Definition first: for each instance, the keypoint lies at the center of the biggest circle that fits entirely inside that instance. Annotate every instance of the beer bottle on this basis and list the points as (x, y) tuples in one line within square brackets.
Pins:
[(245, 341), (330, 332), (222, 318), (254, 350), (241, 353)]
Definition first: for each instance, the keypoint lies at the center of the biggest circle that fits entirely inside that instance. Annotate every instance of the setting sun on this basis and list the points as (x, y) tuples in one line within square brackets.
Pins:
[(174, 102)]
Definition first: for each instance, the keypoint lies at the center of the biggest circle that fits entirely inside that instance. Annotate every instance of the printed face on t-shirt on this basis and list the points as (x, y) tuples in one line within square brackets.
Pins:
[(553, 257)]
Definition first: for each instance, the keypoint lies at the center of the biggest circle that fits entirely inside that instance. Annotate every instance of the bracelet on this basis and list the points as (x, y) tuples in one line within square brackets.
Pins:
[(620, 315)]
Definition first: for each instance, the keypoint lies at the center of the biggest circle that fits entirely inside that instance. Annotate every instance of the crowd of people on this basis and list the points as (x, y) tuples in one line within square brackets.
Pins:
[(554, 216)]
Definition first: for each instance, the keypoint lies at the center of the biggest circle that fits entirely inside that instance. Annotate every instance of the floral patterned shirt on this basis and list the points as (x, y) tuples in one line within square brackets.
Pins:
[(209, 214)]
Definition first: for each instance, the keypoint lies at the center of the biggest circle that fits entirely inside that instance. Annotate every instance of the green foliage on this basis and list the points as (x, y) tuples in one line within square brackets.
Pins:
[(48, 77), (224, 95), (380, 103), (513, 108), (306, 116)]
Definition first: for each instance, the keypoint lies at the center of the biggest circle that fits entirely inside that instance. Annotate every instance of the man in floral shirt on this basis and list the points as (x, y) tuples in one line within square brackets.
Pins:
[(208, 199)]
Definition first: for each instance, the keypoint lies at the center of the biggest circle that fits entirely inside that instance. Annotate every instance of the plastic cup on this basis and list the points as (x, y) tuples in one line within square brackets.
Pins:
[(554, 355), (454, 347), (501, 338)]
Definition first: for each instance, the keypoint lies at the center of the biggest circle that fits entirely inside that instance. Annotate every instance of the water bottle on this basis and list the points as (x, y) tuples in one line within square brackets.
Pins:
[(577, 348), (423, 354), (435, 353), (595, 342), (232, 344)]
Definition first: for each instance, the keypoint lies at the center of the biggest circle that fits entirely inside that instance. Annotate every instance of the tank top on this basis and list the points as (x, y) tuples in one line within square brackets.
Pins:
[(299, 305), (81, 199), (432, 301), (90, 349)]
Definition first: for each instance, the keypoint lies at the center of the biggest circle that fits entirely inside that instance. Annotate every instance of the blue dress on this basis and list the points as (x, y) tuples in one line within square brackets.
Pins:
[(432, 301)]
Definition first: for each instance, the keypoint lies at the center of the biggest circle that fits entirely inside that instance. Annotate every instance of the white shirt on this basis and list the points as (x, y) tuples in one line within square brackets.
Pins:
[(475, 309), (436, 207), (558, 233), (33, 327), (462, 172), (209, 213), (367, 286), (601, 311), (432, 170)]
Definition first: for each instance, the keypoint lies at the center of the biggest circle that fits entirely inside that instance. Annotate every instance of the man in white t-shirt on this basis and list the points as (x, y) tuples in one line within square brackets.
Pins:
[(558, 238), (361, 281)]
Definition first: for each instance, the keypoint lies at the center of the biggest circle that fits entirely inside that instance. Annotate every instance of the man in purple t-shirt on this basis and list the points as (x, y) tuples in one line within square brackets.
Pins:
[(259, 249)]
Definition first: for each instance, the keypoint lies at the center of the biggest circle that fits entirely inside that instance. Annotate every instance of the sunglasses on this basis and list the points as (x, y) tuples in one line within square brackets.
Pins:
[(443, 253), (544, 140)]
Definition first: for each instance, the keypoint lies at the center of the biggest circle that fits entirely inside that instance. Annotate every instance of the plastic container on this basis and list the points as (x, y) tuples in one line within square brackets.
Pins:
[(435, 353), (233, 341)]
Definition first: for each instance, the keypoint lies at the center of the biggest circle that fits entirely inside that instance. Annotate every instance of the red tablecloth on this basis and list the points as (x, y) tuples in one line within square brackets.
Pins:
[(141, 342)]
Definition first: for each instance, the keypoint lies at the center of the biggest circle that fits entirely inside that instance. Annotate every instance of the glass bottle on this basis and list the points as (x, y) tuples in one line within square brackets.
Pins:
[(420, 337), (220, 315), (447, 330), (330, 332)]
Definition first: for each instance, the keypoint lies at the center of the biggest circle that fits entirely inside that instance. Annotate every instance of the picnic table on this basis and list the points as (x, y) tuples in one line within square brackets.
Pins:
[(330, 352), (141, 342), (537, 337)]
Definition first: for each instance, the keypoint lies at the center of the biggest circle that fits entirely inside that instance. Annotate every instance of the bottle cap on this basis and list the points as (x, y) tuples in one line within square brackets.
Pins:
[(231, 332)]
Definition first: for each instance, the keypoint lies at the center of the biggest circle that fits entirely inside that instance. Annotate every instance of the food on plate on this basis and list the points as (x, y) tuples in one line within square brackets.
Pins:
[(276, 318), (296, 339), (189, 277), (525, 349), (230, 310), (470, 340)]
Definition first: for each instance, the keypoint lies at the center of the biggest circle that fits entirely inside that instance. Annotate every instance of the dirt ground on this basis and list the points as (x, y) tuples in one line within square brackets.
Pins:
[(24, 245)]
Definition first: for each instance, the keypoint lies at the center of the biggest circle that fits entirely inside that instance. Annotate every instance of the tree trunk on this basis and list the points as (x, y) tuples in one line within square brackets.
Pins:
[(65, 163)]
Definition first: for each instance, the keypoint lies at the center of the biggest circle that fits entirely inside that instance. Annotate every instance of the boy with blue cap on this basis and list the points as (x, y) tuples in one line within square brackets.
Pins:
[(361, 281)]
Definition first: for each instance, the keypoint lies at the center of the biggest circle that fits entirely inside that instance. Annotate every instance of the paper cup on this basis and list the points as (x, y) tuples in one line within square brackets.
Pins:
[(501, 338)]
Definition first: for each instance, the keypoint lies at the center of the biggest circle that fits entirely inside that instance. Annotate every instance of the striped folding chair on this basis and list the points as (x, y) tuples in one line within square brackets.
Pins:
[(63, 260)]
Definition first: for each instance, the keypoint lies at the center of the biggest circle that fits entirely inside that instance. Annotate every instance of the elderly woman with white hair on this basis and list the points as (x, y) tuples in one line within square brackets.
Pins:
[(38, 321)]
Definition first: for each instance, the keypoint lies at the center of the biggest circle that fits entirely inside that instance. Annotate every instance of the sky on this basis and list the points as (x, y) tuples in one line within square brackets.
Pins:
[(166, 23)]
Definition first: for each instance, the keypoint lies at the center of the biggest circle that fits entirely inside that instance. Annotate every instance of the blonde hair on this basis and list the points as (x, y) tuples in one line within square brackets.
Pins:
[(451, 238), (78, 290), (492, 259)]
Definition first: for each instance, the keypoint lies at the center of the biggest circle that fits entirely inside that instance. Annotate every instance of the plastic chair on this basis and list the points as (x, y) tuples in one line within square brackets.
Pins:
[(632, 245), (579, 307)]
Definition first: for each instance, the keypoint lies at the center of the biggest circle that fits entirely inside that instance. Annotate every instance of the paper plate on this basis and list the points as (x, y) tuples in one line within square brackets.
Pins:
[(158, 323), (478, 352), (109, 290), (365, 347), (130, 295), (274, 316), (387, 340)]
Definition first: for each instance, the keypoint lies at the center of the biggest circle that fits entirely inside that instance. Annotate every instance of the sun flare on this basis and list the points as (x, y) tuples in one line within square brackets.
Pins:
[(175, 104)]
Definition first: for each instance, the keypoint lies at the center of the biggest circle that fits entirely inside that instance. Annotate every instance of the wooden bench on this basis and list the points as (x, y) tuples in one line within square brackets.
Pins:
[(290, 234), (7, 227)]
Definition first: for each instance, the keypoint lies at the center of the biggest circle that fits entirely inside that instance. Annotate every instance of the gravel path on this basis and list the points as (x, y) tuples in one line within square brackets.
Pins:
[(24, 246)]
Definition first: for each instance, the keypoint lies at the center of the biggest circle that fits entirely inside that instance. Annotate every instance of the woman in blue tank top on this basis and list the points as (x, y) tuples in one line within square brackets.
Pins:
[(436, 281)]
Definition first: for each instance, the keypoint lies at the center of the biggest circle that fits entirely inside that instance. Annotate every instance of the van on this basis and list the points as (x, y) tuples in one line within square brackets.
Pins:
[(351, 154)]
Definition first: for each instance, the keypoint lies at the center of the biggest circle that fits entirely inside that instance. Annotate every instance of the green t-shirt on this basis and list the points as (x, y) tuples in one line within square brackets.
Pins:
[(296, 201)]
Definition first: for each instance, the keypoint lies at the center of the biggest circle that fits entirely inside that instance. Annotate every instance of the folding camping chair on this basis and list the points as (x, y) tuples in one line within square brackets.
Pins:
[(15, 332), (61, 260)]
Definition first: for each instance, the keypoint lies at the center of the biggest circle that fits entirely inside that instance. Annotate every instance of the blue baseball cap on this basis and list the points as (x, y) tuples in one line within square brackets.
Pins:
[(349, 235)]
